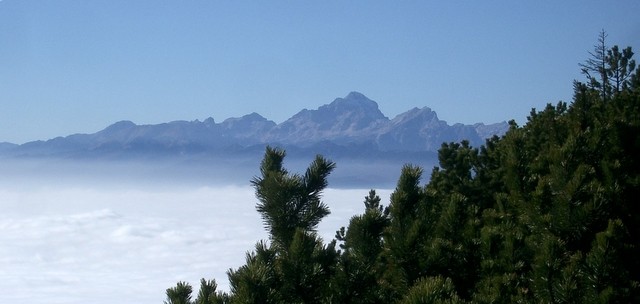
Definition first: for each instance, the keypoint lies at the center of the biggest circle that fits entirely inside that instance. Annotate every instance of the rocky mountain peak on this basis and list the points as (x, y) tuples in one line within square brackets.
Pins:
[(344, 119), (209, 122), (424, 113)]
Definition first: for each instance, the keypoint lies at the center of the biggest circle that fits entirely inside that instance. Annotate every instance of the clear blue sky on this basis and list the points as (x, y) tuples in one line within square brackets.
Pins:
[(77, 66)]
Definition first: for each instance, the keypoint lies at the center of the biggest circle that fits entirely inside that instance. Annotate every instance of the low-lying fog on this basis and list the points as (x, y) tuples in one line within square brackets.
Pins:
[(101, 234)]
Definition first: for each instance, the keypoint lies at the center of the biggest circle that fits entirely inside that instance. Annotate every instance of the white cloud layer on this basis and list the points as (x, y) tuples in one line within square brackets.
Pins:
[(127, 245)]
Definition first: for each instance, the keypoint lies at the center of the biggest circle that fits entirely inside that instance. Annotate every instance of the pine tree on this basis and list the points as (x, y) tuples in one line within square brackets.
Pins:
[(296, 267), (595, 68), (361, 263), (209, 295), (545, 214), (290, 202), (432, 290), (403, 237), (257, 281), (606, 279), (620, 67), (180, 294)]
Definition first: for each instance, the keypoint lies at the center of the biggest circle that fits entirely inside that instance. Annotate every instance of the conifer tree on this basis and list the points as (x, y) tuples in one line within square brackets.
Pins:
[(209, 295), (432, 290), (403, 237), (545, 214), (290, 202), (180, 294), (595, 68), (620, 67), (295, 267), (361, 263)]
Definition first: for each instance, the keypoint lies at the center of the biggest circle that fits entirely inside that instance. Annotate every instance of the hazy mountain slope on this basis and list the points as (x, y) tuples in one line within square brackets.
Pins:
[(421, 130)]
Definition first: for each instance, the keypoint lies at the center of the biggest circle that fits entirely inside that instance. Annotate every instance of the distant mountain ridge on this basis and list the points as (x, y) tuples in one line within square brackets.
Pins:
[(349, 123)]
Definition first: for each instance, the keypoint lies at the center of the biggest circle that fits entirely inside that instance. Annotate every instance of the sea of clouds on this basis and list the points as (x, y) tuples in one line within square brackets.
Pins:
[(124, 243)]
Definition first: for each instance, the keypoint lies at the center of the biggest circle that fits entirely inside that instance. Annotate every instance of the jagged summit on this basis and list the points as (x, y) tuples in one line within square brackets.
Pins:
[(345, 119), (422, 115)]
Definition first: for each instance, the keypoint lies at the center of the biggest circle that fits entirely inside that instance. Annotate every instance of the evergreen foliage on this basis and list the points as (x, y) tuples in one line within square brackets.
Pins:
[(295, 267), (432, 290), (181, 294), (545, 214)]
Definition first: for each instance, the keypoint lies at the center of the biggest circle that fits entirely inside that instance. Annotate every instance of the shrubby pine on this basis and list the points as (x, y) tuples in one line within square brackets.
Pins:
[(546, 213)]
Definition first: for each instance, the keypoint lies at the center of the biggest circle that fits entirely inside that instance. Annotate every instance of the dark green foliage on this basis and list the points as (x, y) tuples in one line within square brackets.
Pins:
[(181, 294), (209, 295), (207, 292), (568, 199), (620, 68), (432, 290), (407, 228), (256, 281), (605, 277), (545, 214), (595, 67), (288, 202), (364, 237), (296, 267), (360, 265)]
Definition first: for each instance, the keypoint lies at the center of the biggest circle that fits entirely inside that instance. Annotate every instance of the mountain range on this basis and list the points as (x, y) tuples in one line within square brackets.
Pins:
[(351, 123), (368, 147)]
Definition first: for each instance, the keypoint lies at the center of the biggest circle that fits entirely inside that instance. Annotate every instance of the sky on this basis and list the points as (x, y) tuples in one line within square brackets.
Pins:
[(78, 66)]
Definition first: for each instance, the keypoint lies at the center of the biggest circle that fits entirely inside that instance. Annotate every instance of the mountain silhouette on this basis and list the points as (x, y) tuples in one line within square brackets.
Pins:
[(345, 126)]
